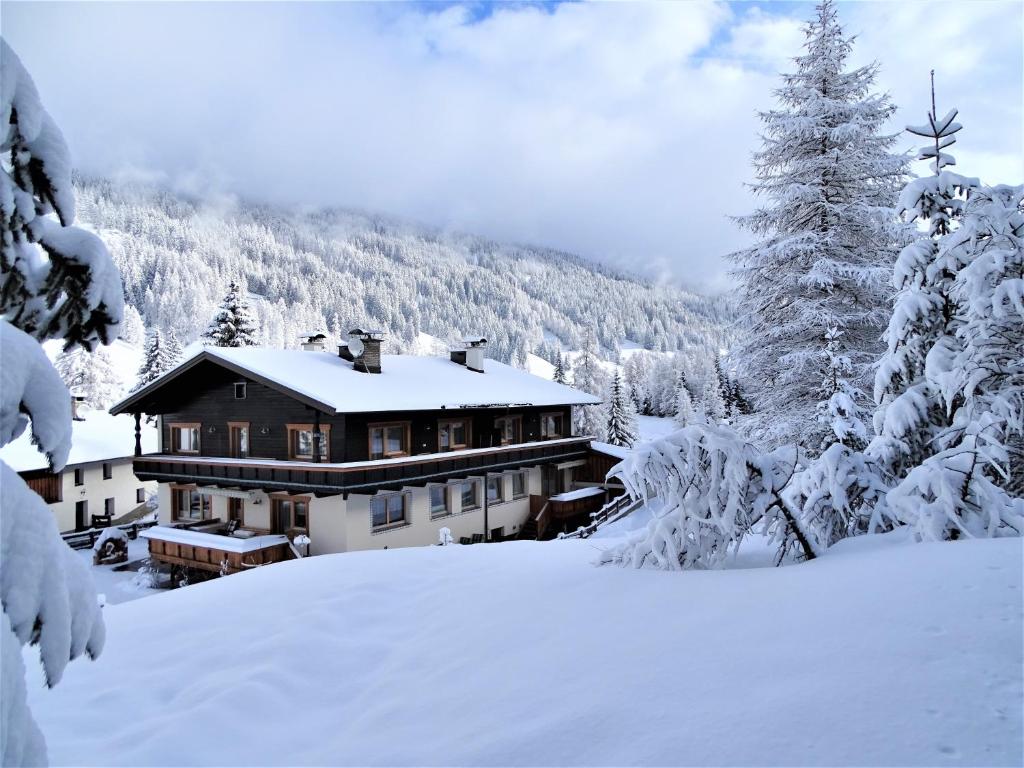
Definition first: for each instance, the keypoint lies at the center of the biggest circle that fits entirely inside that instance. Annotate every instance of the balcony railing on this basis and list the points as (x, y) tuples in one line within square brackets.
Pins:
[(356, 476)]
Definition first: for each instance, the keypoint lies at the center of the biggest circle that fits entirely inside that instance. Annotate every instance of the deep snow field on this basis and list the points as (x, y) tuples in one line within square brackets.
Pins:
[(523, 653)]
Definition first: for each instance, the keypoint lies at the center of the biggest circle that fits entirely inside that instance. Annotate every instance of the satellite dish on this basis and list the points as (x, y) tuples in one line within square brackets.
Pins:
[(355, 346)]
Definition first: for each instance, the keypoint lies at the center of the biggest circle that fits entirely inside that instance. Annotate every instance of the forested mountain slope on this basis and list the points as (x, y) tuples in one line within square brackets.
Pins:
[(334, 269)]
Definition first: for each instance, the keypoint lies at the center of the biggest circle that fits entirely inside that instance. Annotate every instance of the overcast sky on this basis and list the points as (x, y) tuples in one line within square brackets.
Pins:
[(619, 131)]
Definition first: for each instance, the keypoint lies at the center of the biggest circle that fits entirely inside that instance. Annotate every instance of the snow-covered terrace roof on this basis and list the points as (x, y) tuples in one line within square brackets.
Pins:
[(406, 383), (100, 437)]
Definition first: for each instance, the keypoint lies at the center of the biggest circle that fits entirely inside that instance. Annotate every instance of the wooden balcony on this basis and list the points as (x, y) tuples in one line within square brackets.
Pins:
[(362, 477)]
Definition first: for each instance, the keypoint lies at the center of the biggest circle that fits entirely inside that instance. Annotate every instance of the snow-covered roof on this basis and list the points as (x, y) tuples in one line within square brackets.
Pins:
[(615, 451), (100, 437), (579, 493), (406, 383)]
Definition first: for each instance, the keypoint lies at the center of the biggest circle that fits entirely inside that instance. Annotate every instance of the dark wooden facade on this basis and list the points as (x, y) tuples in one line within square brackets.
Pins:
[(205, 395), (46, 483)]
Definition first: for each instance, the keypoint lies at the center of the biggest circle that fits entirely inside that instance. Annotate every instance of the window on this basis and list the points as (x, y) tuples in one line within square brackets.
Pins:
[(240, 390), (300, 442), (79, 476), (495, 489), (187, 503), (140, 495), (185, 438), (236, 510), (452, 434), (518, 485), (470, 496), (510, 429), (550, 426), (388, 440), (439, 500), (108, 470), (238, 439), (388, 509), (108, 507), (290, 513)]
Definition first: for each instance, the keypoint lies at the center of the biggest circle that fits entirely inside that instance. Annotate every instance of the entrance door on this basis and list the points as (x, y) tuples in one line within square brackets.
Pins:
[(549, 481), (81, 513), (282, 515)]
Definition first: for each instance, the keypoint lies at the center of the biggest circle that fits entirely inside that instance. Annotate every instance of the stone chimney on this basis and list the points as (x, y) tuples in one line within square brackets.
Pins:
[(313, 341), (474, 349), (364, 348)]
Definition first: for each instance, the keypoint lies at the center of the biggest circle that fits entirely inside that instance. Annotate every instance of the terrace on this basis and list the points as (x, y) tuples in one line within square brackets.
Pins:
[(216, 547)]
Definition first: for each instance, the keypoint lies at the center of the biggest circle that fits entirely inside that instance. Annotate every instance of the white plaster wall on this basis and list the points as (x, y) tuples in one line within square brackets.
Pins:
[(121, 487), (163, 500), (328, 529), (423, 531)]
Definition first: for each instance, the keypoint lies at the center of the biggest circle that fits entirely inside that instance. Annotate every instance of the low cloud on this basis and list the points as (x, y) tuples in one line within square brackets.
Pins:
[(619, 131)]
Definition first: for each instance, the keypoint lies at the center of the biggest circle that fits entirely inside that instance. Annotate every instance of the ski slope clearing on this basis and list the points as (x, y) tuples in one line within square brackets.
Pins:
[(881, 652)]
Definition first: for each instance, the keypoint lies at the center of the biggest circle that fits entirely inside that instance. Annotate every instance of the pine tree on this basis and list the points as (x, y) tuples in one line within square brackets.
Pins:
[(56, 282), (827, 233), (725, 389), (838, 411), (559, 375), (174, 349), (620, 421), (684, 415), (133, 330), (950, 387), (712, 404), (588, 377), (90, 375), (156, 359), (233, 325), (910, 414)]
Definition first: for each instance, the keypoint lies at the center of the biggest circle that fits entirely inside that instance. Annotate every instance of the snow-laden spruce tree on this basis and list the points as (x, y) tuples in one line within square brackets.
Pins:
[(973, 371), (712, 404), (839, 412), (588, 377), (133, 329), (620, 420), (827, 234), (911, 413), (685, 413), (713, 488), (838, 492), (233, 325), (560, 376), (175, 352), (156, 359), (91, 375), (58, 282)]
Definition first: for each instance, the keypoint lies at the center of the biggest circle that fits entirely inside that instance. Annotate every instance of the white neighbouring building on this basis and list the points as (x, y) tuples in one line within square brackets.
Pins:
[(98, 479)]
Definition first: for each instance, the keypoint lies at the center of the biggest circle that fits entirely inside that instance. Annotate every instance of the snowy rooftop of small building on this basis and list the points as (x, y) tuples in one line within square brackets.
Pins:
[(406, 383), (100, 437), (615, 451), (212, 540)]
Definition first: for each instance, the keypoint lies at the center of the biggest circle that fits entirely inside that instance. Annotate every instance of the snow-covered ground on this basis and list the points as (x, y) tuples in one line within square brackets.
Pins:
[(119, 586), (523, 653), (653, 427)]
